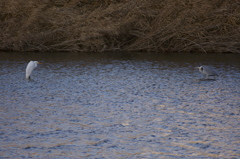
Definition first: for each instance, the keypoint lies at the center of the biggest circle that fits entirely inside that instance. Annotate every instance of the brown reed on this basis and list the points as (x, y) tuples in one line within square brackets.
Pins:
[(120, 25)]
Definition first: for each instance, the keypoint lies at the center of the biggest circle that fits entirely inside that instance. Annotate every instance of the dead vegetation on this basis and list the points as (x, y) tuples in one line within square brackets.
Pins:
[(120, 25)]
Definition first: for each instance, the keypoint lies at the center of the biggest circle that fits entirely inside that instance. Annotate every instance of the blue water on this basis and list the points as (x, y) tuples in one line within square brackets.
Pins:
[(119, 105)]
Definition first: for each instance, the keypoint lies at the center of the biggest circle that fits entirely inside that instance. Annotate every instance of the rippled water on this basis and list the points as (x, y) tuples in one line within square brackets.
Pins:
[(119, 106)]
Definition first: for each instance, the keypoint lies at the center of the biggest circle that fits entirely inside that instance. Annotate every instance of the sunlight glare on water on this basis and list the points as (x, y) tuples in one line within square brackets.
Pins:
[(119, 106)]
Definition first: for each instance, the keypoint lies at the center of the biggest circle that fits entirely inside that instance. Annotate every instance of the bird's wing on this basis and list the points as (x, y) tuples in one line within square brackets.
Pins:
[(210, 71), (29, 69)]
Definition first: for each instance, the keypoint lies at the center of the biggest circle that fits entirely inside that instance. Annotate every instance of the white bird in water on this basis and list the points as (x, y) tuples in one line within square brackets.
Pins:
[(207, 71), (30, 67)]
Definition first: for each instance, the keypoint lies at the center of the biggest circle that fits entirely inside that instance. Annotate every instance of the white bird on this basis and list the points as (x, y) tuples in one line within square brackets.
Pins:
[(30, 67), (207, 71)]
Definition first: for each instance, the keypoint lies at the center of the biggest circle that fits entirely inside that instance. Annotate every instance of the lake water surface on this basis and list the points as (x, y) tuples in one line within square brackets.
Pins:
[(119, 105)]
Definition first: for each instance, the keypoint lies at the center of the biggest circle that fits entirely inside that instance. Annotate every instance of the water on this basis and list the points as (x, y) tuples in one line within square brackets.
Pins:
[(119, 106)]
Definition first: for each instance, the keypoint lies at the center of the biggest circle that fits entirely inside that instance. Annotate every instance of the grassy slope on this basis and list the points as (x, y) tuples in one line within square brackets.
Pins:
[(120, 25)]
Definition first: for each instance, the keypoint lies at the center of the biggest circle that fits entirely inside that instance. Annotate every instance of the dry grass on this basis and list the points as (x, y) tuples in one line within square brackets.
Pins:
[(120, 25)]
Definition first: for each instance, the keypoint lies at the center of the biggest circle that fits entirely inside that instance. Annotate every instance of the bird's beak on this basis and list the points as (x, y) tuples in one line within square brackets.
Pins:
[(197, 67), (40, 63)]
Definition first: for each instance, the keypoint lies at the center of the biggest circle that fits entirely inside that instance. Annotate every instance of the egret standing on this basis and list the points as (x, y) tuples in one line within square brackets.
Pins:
[(30, 67), (207, 71)]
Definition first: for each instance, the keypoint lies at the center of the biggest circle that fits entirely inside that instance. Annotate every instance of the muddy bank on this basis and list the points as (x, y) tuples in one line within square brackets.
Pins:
[(120, 25)]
